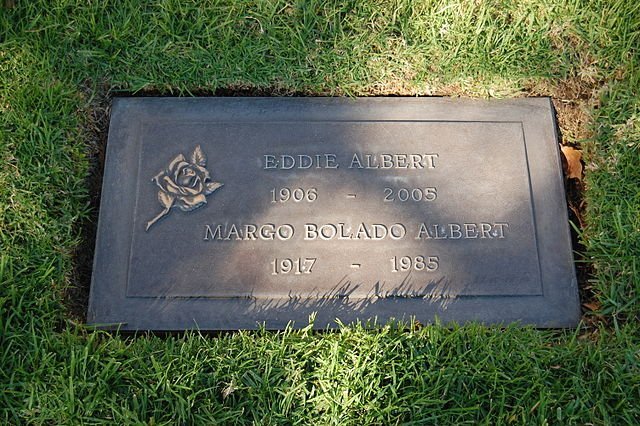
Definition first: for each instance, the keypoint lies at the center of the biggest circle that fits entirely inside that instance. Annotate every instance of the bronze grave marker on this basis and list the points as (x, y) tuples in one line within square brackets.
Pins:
[(226, 213)]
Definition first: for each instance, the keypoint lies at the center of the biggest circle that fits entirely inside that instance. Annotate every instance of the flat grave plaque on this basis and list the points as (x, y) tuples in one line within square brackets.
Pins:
[(228, 213)]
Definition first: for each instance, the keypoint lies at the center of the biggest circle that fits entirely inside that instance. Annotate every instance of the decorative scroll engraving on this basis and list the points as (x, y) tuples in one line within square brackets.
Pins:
[(184, 184)]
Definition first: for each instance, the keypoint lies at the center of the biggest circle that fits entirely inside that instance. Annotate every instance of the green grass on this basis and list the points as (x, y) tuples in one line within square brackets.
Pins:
[(59, 60)]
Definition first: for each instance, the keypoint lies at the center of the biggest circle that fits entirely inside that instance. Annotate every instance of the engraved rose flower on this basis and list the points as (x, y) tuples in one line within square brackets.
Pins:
[(185, 184)]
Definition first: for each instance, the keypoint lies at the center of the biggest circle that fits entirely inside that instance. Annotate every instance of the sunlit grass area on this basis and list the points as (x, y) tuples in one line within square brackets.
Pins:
[(62, 61)]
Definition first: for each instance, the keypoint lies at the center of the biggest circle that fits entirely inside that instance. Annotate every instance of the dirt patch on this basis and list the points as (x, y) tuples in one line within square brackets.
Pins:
[(96, 126), (573, 98)]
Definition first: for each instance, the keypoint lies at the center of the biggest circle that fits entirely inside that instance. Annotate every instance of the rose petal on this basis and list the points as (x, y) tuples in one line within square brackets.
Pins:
[(191, 191), (185, 180), (188, 203), (159, 180), (172, 187), (198, 185), (177, 169), (204, 172), (180, 158)]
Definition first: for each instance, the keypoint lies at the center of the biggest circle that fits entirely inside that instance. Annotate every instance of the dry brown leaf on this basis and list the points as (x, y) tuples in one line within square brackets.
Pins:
[(574, 163), (592, 306)]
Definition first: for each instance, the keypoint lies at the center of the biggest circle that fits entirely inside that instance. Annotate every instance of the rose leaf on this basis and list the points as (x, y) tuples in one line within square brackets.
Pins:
[(212, 186), (198, 157), (166, 200), (187, 204)]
